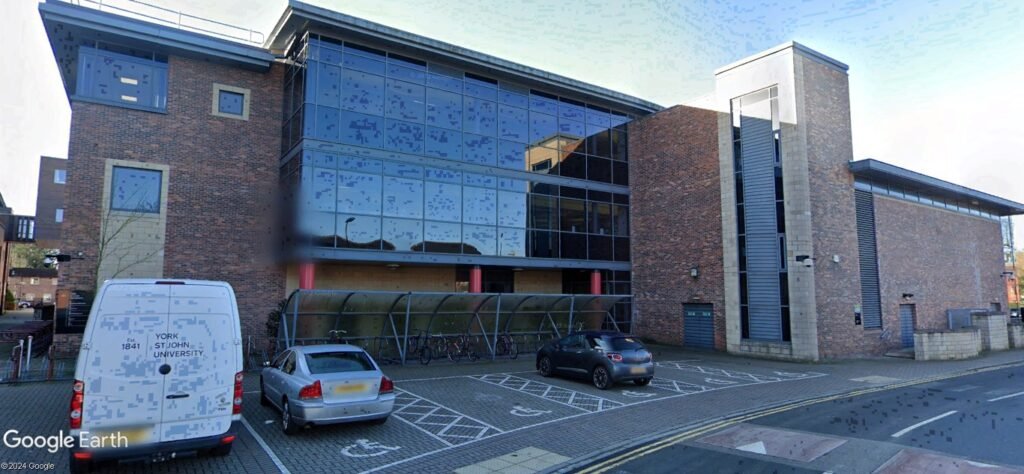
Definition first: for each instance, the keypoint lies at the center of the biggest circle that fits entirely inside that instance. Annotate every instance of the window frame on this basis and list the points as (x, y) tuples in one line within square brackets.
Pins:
[(246, 99), (159, 194), (58, 215), (63, 174)]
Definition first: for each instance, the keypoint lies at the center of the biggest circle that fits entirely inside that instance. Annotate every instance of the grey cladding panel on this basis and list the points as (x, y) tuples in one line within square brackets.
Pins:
[(762, 237)]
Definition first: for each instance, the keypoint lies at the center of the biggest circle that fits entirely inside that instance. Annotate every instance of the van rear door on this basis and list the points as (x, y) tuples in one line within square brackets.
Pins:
[(202, 348), (123, 387)]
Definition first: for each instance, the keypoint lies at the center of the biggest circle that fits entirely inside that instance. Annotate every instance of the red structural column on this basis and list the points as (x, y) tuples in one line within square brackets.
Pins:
[(307, 276), (595, 282), (476, 280)]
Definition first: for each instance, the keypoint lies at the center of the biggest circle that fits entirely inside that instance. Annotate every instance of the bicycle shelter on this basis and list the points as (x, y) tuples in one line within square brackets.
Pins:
[(393, 318)]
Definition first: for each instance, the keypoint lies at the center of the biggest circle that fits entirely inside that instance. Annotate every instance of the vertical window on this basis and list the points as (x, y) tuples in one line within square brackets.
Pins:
[(59, 217), (60, 176), (135, 190)]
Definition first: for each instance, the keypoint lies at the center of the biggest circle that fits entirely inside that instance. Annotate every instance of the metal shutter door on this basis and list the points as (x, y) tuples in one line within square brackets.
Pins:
[(907, 325), (758, 156), (698, 326), (871, 297)]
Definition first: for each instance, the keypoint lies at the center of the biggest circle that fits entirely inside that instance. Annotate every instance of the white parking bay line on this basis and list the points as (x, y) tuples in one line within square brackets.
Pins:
[(440, 422), (564, 396), (1004, 397), (266, 448), (918, 425)]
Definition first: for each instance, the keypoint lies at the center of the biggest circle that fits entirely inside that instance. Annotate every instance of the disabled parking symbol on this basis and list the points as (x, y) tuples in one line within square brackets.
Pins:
[(364, 448), (633, 394), (519, 410)]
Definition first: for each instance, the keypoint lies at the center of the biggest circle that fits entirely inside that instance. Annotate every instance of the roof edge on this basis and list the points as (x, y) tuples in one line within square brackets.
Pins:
[(797, 47)]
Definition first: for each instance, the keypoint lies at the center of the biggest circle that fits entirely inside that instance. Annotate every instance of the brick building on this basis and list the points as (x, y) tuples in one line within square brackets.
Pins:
[(343, 154), (35, 285), (53, 173)]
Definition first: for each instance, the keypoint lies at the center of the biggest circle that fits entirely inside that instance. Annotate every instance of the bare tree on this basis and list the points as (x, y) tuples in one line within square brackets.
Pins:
[(119, 250)]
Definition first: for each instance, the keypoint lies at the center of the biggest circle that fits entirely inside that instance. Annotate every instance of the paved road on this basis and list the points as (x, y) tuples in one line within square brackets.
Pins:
[(973, 423)]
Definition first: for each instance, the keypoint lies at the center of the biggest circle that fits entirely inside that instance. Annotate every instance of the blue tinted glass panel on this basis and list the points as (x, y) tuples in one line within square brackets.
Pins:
[(364, 64), (448, 176), (444, 143), (317, 227), (598, 117), (478, 149), (479, 205), (542, 127), (329, 55), (543, 104), (448, 83), (328, 84), (404, 137), (483, 180), (512, 184), (362, 92), (403, 170), (444, 109), (359, 193), (312, 90), (570, 111), (362, 165), (363, 130), (122, 79), (618, 119), (403, 197), (512, 155), (320, 159), (136, 190), (482, 89), (308, 120), (511, 209), (406, 101), (230, 102), (406, 74), (358, 232), (322, 192), (403, 235), (514, 99), (513, 124), (480, 116), (479, 240), (511, 242), (572, 129), (443, 201), (443, 237), (326, 123)]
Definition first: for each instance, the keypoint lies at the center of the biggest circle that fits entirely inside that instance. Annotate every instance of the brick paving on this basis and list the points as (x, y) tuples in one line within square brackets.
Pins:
[(454, 415)]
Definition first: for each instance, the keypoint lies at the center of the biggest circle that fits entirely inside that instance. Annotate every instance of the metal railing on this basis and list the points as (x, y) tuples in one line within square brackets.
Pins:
[(175, 18)]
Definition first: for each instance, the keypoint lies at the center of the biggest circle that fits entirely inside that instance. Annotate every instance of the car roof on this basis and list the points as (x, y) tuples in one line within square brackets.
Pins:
[(321, 348), (602, 333)]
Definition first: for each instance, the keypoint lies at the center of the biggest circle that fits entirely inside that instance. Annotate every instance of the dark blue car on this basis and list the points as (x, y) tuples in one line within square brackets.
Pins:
[(604, 357)]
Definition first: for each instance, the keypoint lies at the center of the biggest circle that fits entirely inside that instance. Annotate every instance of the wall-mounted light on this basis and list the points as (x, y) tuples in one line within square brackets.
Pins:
[(694, 271), (807, 260), (908, 296)]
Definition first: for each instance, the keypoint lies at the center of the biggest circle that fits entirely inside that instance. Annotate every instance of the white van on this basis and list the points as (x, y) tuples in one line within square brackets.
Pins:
[(159, 374)]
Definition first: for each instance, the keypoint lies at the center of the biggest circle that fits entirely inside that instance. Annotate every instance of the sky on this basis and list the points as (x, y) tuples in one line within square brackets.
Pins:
[(933, 84)]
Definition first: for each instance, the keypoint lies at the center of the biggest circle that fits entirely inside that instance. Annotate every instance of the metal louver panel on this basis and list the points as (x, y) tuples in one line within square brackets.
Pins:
[(698, 326), (762, 235), (871, 297)]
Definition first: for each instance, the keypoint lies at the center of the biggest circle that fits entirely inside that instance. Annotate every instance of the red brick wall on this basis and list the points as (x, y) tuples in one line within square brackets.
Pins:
[(676, 221), (222, 180), (945, 259)]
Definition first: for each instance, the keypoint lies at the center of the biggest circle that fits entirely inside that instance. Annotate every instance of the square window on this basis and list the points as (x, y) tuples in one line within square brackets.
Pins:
[(60, 176), (135, 190), (230, 102)]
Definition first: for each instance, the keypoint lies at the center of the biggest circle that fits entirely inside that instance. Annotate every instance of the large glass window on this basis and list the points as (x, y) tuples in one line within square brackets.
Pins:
[(135, 190)]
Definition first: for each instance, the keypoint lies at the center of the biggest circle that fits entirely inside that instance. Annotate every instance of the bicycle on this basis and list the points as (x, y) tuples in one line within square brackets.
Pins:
[(420, 345), (335, 338), (460, 347), (506, 345)]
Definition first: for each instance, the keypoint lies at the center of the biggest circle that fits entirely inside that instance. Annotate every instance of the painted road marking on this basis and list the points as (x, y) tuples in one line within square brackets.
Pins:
[(441, 423), (519, 410), (369, 449), (572, 398), (266, 448), (1004, 397), (918, 425), (677, 386)]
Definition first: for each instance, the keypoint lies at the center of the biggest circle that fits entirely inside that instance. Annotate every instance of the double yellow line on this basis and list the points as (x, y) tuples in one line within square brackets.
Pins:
[(640, 452)]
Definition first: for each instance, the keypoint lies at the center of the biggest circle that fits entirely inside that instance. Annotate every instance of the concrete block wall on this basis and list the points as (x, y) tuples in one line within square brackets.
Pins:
[(947, 345), (993, 329), (1015, 333)]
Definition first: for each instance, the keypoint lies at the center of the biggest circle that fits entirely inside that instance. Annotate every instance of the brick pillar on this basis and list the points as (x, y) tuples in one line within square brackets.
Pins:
[(476, 279), (307, 276), (595, 282)]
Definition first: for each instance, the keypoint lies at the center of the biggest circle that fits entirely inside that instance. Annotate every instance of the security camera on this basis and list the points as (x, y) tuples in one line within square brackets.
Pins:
[(48, 262)]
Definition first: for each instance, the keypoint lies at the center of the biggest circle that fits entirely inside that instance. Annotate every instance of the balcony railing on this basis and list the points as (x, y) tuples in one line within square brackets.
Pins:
[(177, 19)]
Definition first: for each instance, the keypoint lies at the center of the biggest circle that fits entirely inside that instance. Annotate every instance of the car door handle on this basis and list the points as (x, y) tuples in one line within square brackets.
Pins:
[(177, 396)]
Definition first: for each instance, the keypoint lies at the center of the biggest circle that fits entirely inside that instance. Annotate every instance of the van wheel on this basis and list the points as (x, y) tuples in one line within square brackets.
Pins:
[(601, 378), (222, 450), (263, 395), (288, 424)]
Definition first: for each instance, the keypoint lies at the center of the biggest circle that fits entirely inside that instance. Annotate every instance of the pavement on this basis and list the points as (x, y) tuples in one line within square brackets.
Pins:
[(502, 417)]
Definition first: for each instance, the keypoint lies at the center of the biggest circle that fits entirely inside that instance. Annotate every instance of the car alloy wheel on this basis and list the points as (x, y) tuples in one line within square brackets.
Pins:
[(287, 423), (601, 379), (544, 366)]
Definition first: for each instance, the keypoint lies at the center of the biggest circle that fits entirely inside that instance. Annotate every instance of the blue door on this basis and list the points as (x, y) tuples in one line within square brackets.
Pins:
[(698, 326), (907, 325)]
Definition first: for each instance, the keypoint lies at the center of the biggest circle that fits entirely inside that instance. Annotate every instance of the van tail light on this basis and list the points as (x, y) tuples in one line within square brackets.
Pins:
[(236, 408), (83, 455), (227, 439), (311, 391), (77, 400), (614, 356), (386, 385)]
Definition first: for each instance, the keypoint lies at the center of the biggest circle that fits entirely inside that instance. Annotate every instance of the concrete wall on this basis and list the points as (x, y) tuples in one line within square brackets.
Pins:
[(947, 345), (1015, 333), (675, 223), (943, 258), (223, 177), (993, 331)]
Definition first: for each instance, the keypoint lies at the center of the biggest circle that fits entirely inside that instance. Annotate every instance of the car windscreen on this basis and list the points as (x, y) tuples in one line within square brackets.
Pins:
[(334, 362), (624, 343)]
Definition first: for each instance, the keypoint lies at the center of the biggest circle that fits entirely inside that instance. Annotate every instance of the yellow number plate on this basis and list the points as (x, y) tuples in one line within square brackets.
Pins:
[(131, 436), (356, 387), (637, 370)]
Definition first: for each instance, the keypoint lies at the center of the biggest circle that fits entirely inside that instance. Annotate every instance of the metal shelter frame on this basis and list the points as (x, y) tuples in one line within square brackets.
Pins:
[(309, 313)]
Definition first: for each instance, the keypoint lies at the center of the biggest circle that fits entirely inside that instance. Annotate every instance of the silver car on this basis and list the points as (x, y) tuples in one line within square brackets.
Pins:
[(319, 385)]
